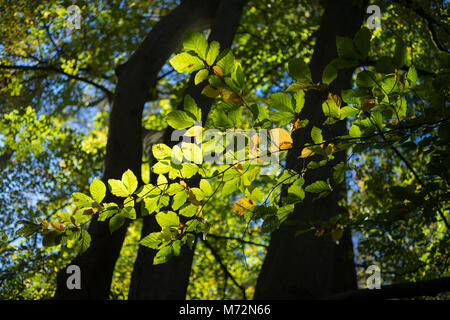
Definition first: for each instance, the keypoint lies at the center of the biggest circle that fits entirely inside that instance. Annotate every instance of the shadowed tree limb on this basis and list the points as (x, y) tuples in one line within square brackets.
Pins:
[(224, 268)]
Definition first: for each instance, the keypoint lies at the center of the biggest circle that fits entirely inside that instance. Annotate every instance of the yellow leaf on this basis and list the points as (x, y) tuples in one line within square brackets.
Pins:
[(238, 167), (295, 124), (57, 225), (230, 96), (335, 98), (281, 140), (329, 149), (305, 153), (243, 205), (193, 199), (43, 222), (319, 232), (218, 71), (210, 91), (368, 104)]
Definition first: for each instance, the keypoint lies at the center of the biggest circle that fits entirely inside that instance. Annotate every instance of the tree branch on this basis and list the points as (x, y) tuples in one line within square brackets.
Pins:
[(430, 23), (50, 68), (402, 290), (420, 72), (224, 267), (237, 239)]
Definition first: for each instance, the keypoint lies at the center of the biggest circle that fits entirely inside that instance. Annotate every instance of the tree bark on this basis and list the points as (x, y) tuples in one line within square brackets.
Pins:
[(305, 266), (124, 145), (170, 280)]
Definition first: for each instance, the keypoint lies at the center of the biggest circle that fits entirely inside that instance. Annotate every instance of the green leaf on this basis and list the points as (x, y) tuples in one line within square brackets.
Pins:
[(210, 92), (282, 118), (161, 151), (296, 188), (167, 219), (230, 186), (257, 195), (81, 200), (206, 187), (281, 101), (201, 76), (329, 74), (188, 170), (339, 172), (28, 229), (117, 188), (196, 42), (350, 96), (226, 61), (52, 238), (110, 210), (188, 210), (163, 255), (186, 63), (191, 107), (116, 222), (299, 70), (161, 167), (85, 241), (283, 212), (377, 117), (162, 182), (213, 52), (355, 131), (150, 204), (179, 199), (98, 190), (302, 85), (385, 65), (330, 109), (362, 41), (239, 77), (178, 119), (347, 112), (129, 212), (366, 79), (174, 188), (316, 135), (151, 241), (344, 46), (198, 193), (147, 190), (412, 76), (130, 181), (318, 186), (299, 98)]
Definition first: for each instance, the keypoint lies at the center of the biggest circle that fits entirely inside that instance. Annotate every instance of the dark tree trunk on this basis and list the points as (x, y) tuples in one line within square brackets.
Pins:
[(170, 280), (304, 266), (124, 148)]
